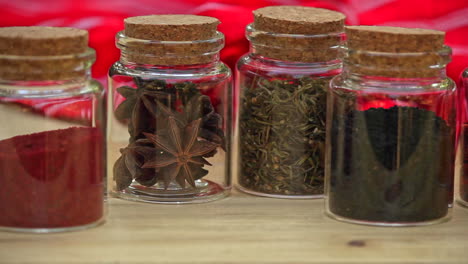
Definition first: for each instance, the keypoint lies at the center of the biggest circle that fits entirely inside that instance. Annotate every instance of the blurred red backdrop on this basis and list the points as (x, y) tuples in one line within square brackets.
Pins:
[(103, 19)]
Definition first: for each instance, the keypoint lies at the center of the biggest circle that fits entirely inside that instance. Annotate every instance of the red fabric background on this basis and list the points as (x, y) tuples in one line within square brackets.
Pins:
[(104, 19)]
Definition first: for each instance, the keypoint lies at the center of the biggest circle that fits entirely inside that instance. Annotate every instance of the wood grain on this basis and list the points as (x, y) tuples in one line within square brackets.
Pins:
[(239, 229)]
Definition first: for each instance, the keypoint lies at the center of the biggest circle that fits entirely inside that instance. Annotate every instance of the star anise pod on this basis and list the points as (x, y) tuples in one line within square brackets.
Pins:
[(139, 106), (198, 107), (129, 166), (183, 157)]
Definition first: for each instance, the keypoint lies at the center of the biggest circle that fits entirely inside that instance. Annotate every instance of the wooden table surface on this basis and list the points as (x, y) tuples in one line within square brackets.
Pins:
[(239, 229)]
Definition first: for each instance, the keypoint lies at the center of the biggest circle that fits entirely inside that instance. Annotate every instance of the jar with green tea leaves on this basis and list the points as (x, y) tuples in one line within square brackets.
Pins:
[(391, 129), (283, 83), (170, 111)]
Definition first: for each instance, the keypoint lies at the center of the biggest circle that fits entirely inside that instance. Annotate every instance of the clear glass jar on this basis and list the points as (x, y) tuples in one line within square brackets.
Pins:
[(391, 140), (463, 177), (52, 163), (281, 113), (170, 123)]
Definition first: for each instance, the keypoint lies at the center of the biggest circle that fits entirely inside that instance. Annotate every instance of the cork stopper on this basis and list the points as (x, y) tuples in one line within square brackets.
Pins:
[(298, 20), (395, 51), (42, 53), (319, 30), (171, 27), (156, 37)]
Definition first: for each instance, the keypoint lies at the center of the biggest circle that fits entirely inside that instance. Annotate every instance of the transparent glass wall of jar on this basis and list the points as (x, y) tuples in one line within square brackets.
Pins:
[(170, 125), (52, 160), (463, 138), (391, 142), (281, 114)]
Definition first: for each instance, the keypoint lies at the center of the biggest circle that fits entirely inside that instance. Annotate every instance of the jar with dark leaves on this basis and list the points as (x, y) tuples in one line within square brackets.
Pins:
[(170, 111), (283, 83), (391, 129), (463, 138)]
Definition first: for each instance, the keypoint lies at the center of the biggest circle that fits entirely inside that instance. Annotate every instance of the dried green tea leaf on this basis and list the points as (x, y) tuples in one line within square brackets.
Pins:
[(282, 135)]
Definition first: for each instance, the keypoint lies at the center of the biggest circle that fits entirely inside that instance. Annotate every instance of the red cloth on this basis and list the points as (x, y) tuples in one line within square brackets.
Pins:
[(104, 19)]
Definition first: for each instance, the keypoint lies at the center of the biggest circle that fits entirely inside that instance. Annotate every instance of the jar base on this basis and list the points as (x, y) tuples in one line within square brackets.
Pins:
[(389, 224), (206, 191), (53, 230), (279, 196), (462, 203)]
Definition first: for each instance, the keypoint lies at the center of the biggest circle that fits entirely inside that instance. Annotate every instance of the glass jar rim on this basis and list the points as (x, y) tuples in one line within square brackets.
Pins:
[(251, 31), (445, 51), (87, 55), (122, 40), (47, 67)]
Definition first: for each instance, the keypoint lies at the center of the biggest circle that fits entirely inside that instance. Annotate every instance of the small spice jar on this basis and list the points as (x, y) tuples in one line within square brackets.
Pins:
[(391, 129), (283, 83), (170, 111), (52, 164), (463, 118)]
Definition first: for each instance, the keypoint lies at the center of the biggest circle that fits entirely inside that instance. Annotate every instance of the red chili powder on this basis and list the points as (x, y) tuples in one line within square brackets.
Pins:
[(52, 179)]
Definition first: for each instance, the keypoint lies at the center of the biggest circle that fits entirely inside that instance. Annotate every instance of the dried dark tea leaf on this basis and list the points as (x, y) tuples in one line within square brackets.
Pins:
[(390, 165)]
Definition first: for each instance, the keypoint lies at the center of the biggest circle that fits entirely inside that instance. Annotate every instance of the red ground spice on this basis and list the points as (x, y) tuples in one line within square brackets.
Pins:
[(52, 179)]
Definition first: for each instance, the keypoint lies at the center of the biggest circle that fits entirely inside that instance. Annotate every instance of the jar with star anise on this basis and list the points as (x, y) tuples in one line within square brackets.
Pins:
[(170, 111)]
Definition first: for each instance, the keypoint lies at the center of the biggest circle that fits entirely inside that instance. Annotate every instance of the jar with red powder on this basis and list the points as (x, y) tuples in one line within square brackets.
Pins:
[(52, 163)]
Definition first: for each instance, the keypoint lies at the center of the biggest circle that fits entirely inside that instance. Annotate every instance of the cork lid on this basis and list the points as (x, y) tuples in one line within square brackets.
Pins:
[(43, 53), (171, 27), (42, 41), (298, 20), (320, 30), (170, 39), (395, 51)]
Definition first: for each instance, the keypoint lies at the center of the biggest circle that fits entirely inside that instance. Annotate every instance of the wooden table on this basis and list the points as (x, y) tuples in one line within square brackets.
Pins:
[(239, 229)]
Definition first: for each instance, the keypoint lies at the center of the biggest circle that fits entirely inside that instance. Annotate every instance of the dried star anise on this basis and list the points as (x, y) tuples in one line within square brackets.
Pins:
[(129, 166), (183, 158), (198, 106), (156, 109), (139, 107)]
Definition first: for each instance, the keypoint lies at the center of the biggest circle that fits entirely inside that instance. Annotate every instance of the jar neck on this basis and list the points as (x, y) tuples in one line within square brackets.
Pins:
[(355, 80), (44, 84), (295, 48), (332, 67), (383, 68), (169, 54)]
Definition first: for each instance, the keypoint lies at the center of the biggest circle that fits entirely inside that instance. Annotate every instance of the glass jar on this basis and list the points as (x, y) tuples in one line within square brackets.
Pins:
[(283, 82), (463, 180), (391, 129), (170, 111), (52, 162)]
